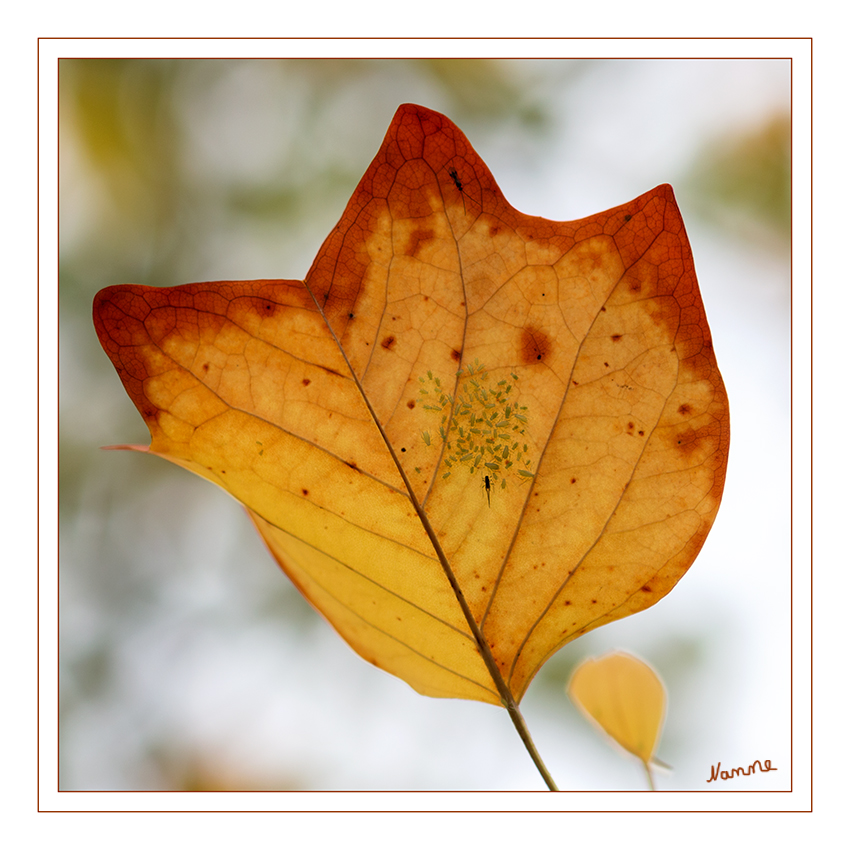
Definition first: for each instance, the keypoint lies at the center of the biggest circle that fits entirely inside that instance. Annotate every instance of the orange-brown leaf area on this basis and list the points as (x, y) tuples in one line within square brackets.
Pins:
[(306, 402)]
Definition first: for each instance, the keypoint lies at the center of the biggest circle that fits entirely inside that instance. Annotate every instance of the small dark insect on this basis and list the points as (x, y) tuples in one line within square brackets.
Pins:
[(487, 488), (459, 185)]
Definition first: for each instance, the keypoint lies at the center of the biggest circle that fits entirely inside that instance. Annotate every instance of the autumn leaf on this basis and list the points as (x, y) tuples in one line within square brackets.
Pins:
[(342, 411), (625, 698)]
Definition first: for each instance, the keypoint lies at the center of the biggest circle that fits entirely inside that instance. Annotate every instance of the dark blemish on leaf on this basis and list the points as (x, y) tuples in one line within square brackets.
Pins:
[(572, 481), (305, 492), (592, 601), (411, 404), (351, 315), (534, 345), (305, 381), (455, 355), (685, 409), (206, 367), (641, 433), (567, 602), (628, 217), (606, 365), (351, 463), (631, 426), (603, 309), (616, 337), (388, 342), (403, 449), (417, 239), (646, 589), (688, 441)]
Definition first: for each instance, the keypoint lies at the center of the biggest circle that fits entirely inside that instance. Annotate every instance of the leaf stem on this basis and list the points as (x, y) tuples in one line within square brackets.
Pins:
[(649, 775)]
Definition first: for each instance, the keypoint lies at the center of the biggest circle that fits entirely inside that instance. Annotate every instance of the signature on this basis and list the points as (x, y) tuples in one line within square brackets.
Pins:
[(717, 773)]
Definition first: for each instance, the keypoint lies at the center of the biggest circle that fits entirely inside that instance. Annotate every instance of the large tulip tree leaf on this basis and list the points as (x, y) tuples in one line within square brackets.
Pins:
[(465, 422)]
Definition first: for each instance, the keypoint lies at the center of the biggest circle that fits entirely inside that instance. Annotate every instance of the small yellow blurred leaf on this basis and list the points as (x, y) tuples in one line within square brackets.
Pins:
[(624, 697)]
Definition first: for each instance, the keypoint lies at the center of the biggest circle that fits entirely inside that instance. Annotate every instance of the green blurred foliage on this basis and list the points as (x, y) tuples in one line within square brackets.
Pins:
[(743, 182)]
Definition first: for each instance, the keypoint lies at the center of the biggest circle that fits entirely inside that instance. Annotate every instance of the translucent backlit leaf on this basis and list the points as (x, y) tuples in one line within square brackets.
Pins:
[(440, 333), (625, 698)]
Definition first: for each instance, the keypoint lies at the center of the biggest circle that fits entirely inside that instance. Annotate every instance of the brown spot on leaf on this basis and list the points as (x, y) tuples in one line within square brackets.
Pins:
[(418, 239), (686, 441), (305, 381), (616, 337), (646, 589), (411, 404), (534, 345), (388, 342), (684, 409), (455, 355), (305, 492)]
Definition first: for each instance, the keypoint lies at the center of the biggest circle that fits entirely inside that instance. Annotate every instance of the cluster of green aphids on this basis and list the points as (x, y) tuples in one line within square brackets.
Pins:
[(482, 428)]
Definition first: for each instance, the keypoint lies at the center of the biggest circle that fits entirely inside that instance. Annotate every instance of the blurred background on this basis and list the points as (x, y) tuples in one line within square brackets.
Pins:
[(187, 660)]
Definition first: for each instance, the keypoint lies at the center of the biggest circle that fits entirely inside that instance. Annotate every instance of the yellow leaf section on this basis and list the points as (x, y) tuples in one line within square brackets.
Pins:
[(625, 698), (293, 441), (387, 605)]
